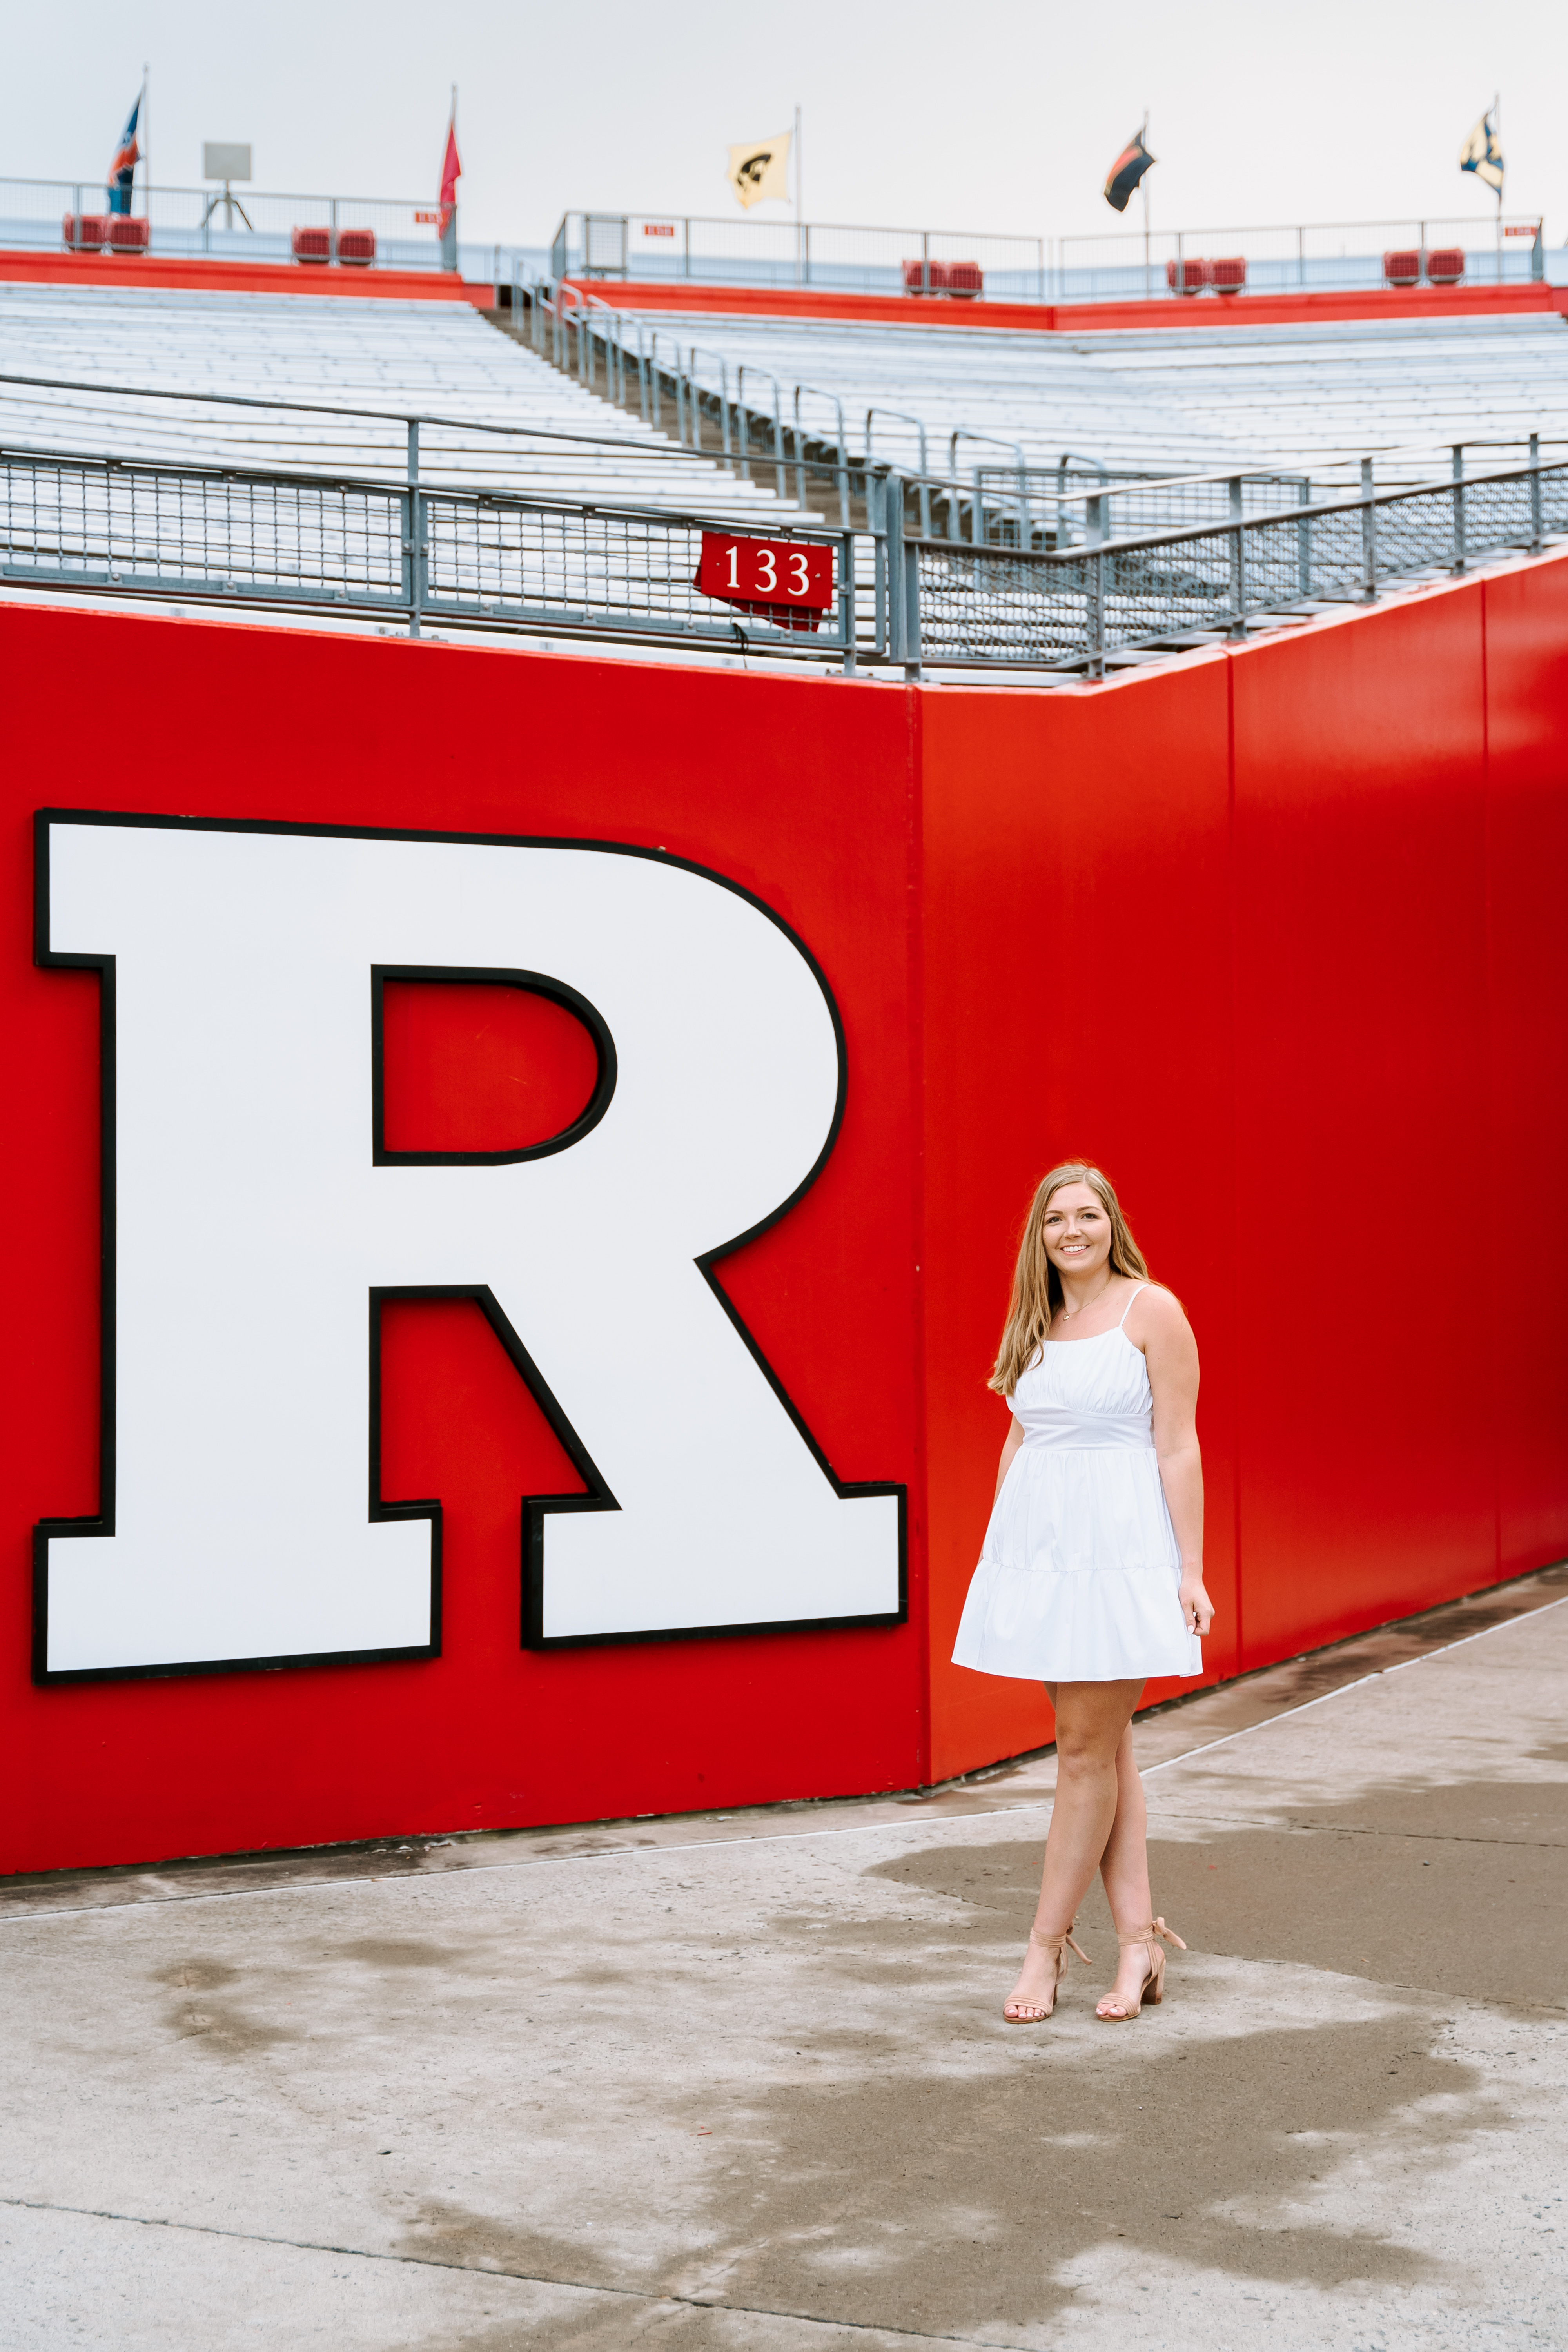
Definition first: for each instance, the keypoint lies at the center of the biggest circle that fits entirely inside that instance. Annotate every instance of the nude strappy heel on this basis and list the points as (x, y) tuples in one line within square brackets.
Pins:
[(1040, 2010), (1153, 1985)]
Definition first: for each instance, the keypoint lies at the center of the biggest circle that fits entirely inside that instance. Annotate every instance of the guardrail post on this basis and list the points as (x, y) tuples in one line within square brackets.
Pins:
[(847, 599), (1237, 562), (878, 508), (893, 557), (903, 584), (1458, 565), (1535, 494), (1094, 587), (414, 544), (1368, 535), (1304, 542)]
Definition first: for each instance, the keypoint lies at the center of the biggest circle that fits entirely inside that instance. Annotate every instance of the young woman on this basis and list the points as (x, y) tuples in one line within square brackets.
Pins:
[(1091, 1577)]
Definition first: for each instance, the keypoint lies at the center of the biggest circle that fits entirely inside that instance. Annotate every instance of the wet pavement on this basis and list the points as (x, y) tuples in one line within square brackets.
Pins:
[(742, 2085)]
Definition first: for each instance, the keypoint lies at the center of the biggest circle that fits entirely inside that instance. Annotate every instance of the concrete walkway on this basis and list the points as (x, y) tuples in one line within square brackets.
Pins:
[(742, 2086)]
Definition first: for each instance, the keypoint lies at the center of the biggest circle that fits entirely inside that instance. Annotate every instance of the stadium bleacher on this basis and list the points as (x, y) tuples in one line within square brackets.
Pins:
[(385, 359), (1170, 397), (1099, 423)]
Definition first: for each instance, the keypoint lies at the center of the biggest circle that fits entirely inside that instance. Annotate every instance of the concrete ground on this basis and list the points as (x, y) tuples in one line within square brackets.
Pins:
[(742, 2084)]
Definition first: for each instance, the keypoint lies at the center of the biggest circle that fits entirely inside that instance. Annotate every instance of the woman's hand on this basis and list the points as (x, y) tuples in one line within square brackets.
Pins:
[(1197, 1608)]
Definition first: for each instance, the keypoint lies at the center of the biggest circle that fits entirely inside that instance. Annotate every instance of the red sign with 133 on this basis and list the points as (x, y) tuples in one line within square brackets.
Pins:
[(788, 581)]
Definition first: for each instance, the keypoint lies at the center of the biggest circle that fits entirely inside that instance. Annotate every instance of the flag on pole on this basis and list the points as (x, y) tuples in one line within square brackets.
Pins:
[(451, 172), (1482, 155), (761, 170), (122, 170), (1126, 171)]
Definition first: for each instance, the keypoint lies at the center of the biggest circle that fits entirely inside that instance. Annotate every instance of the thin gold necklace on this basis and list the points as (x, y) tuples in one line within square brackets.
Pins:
[(1069, 1312)]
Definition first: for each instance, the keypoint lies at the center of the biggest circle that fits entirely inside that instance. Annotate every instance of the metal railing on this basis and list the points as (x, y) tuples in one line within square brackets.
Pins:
[(711, 250), (976, 604), (663, 248), (1123, 265), (417, 555), (1064, 594), (250, 224)]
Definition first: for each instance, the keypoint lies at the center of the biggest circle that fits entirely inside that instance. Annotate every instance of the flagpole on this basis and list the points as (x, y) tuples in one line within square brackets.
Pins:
[(145, 117), (1143, 189), (1496, 133), (799, 243)]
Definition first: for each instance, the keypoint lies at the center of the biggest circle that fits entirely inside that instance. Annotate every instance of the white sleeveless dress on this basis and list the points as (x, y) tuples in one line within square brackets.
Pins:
[(1079, 1573)]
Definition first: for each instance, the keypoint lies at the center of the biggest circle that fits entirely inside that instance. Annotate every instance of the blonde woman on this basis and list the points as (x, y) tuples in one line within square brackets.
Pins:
[(1091, 1577)]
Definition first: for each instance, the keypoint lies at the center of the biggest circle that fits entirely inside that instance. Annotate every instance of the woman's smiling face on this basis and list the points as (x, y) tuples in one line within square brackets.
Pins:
[(1075, 1231)]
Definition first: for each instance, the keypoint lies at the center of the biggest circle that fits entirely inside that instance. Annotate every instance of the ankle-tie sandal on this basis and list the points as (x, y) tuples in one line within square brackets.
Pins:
[(1040, 2010), (1154, 1985)]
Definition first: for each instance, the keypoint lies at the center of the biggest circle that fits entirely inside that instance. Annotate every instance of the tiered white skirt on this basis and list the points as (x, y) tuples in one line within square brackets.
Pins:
[(1079, 1573)]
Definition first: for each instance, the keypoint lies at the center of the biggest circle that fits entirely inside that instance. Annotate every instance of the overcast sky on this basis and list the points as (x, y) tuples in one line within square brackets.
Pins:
[(968, 114)]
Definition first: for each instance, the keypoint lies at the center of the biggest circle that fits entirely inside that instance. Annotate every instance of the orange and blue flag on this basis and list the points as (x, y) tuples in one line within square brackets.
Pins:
[(122, 170)]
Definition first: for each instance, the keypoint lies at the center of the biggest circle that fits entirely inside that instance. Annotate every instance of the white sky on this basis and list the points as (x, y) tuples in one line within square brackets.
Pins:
[(967, 114)]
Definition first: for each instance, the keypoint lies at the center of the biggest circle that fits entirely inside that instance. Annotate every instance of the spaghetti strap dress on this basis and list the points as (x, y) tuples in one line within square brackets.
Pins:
[(1079, 1574)]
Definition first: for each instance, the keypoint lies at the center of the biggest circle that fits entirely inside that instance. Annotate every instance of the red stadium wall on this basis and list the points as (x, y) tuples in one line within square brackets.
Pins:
[(1267, 931)]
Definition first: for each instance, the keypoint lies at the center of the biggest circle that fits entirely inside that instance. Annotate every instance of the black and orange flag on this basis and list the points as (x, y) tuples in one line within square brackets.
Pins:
[(1126, 171)]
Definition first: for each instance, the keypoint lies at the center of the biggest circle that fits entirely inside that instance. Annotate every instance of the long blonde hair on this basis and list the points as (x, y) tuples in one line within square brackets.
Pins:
[(1036, 1284)]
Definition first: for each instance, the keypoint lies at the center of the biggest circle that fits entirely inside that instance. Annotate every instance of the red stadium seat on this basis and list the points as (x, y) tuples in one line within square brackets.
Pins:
[(1189, 276), (964, 278), (311, 244), (1446, 264), (127, 236), (916, 280), (1402, 268), (86, 232), (1229, 276), (356, 245)]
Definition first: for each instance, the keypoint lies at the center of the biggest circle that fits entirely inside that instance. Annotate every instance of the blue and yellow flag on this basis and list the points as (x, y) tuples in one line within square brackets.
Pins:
[(1482, 155)]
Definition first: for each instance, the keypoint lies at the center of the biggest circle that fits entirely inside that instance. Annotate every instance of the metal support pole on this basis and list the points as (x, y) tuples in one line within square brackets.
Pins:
[(847, 599), (878, 508), (1237, 562), (1368, 535), (332, 230), (1304, 545), (1457, 564), (1535, 494), (1094, 617), (912, 670), (416, 539)]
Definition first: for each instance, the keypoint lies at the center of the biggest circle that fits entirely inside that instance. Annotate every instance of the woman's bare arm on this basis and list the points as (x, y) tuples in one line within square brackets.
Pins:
[(1171, 1353), (1015, 1439)]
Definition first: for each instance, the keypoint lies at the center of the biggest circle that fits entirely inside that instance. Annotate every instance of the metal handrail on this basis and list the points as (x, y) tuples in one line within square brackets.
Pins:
[(279, 545), (977, 520), (840, 448), (327, 408), (1351, 504), (923, 491)]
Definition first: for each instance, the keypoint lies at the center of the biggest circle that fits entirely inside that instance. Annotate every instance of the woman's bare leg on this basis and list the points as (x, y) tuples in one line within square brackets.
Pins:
[(1091, 1723), (1125, 1867)]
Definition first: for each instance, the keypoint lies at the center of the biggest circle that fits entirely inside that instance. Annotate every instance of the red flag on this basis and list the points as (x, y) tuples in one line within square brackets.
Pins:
[(451, 172)]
